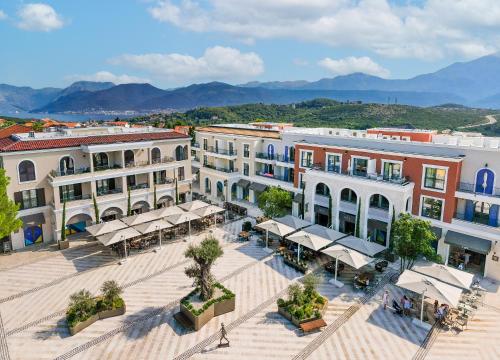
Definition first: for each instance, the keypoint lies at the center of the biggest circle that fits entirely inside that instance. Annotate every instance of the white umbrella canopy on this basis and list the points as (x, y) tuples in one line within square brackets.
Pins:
[(167, 211), (366, 247), (324, 232), (140, 218), (446, 274), (430, 287), (117, 236), (208, 210), (193, 205), (310, 241), (276, 228), (152, 226), (293, 222), (348, 256), (106, 227), (177, 219)]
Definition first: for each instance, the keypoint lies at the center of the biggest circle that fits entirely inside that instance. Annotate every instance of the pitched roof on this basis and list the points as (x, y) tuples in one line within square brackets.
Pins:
[(13, 129), (240, 131), (10, 144)]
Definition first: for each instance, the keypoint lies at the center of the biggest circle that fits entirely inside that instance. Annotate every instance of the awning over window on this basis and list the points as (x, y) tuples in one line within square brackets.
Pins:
[(35, 219), (472, 243), (243, 183), (258, 187)]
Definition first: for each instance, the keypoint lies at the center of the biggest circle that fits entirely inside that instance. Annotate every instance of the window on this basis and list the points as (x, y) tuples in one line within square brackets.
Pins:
[(160, 177), (482, 213), (379, 201), (70, 192), (129, 158), (349, 196), (434, 178), (216, 146), (322, 189), (130, 181), (205, 144), (66, 166), (100, 161), (432, 208), (301, 180), (179, 153), (180, 173), (106, 186), (156, 156), (26, 171), (392, 170), (208, 186), (246, 150), (306, 159), (205, 160), (231, 166), (333, 163), (230, 146), (246, 169), (360, 166), (29, 199)]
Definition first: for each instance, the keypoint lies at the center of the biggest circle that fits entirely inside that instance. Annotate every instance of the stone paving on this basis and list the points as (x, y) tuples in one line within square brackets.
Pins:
[(34, 296)]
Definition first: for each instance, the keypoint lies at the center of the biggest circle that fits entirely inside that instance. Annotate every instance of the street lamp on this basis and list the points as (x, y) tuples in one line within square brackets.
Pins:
[(124, 260), (159, 236)]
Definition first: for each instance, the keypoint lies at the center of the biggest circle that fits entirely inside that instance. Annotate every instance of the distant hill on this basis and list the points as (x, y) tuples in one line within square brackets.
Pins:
[(85, 86)]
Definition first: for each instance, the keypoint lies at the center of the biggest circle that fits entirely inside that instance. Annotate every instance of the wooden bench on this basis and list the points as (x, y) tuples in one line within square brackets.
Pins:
[(312, 325)]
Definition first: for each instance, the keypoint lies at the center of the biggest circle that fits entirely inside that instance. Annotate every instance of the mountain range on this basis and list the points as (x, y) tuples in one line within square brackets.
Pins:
[(475, 83)]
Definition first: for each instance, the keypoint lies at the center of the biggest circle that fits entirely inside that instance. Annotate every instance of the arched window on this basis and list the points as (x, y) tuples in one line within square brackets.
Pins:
[(379, 201), (156, 156), (26, 171), (179, 153), (270, 151), (481, 212), (220, 189), (208, 186), (322, 189), (349, 196), (66, 166), (485, 180), (100, 161), (129, 158)]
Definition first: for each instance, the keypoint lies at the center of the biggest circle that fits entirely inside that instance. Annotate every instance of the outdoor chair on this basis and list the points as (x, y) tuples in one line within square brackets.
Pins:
[(462, 321), (381, 265)]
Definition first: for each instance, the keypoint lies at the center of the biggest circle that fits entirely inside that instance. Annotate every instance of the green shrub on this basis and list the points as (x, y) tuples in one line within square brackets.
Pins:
[(299, 313), (281, 302), (247, 226), (320, 300), (81, 307)]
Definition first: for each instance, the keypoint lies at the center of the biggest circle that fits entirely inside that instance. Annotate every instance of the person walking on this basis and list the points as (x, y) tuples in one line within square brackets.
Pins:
[(385, 299), (223, 334)]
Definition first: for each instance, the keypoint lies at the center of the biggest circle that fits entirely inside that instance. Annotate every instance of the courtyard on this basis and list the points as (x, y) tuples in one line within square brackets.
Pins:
[(34, 296)]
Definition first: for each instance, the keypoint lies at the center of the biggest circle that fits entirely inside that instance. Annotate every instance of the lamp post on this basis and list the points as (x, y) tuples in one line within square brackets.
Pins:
[(159, 236), (124, 260)]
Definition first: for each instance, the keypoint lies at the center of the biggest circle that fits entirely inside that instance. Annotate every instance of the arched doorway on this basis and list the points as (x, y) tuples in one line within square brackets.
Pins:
[(322, 205), (348, 210), (165, 201), (129, 158), (208, 186), (220, 189), (78, 224), (155, 156), (66, 166), (485, 181), (100, 161), (234, 192), (378, 219), (270, 151), (111, 213), (179, 153), (139, 207)]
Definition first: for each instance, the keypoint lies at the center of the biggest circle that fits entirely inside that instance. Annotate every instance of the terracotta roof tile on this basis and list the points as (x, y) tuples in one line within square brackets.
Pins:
[(13, 129), (10, 144), (241, 131)]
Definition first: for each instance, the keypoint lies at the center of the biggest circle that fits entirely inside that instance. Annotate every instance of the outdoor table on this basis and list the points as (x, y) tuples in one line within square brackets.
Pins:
[(365, 278), (244, 235)]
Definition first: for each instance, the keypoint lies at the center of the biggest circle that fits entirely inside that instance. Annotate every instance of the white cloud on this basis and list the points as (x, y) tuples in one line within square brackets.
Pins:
[(216, 63), (432, 29), (353, 64), (105, 76), (2, 15), (39, 17)]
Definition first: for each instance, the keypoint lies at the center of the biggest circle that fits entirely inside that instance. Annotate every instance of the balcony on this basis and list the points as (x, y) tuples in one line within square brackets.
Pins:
[(221, 169), (335, 170), (471, 188), (195, 146), (273, 176), (104, 192), (165, 181), (477, 220), (139, 187), (265, 156), (163, 160), (56, 173), (223, 152), (107, 167), (70, 198), (284, 159)]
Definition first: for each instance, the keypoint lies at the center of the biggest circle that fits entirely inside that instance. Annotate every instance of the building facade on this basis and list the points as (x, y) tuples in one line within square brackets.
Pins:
[(358, 181), (77, 165)]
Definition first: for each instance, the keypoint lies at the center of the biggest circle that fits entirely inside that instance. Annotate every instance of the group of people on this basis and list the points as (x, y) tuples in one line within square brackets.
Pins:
[(403, 307), (440, 311)]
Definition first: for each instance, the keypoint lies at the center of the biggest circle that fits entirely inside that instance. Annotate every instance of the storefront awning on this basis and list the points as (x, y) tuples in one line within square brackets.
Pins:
[(258, 187), (35, 219), (472, 243), (243, 183)]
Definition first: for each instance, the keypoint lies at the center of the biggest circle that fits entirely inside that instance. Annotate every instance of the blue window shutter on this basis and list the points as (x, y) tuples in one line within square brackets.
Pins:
[(493, 220), (469, 210)]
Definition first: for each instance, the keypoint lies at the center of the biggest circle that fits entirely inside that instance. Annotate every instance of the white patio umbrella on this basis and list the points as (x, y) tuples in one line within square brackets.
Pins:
[(193, 205), (446, 274), (105, 227), (430, 287), (293, 222), (117, 236), (167, 211), (366, 247), (274, 227), (348, 256), (140, 218), (208, 211), (182, 218), (308, 240), (149, 227)]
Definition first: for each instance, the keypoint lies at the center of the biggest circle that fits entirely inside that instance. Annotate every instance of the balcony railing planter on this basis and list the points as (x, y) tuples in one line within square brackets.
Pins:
[(297, 265)]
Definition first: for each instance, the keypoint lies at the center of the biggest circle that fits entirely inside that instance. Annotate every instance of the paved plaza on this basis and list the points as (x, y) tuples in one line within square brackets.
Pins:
[(34, 295)]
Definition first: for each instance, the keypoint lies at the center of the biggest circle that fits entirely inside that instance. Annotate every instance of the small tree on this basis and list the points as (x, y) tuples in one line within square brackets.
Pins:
[(37, 126), (274, 202), (63, 225), (303, 205), (129, 204), (154, 197), (204, 256), (96, 209), (81, 306), (357, 230), (311, 282), (413, 238), (330, 211), (176, 192), (111, 291), (8, 209)]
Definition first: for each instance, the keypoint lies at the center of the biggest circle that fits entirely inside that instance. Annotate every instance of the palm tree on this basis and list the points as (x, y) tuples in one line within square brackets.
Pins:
[(111, 291), (204, 256)]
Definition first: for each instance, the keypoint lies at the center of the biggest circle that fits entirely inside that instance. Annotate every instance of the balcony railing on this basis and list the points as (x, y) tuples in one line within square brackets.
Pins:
[(67, 172), (102, 192), (195, 145), (220, 151), (362, 174), (136, 164), (163, 160), (273, 176), (164, 181), (285, 159), (265, 156), (139, 186), (471, 188), (222, 169), (70, 198), (480, 220), (107, 167)]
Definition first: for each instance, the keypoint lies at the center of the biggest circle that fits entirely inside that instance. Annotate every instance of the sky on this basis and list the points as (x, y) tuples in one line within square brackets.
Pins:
[(171, 43)]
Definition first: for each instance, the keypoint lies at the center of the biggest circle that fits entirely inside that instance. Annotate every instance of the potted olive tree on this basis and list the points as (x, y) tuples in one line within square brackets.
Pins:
[(209, 298), (110, 303), (81, 312)]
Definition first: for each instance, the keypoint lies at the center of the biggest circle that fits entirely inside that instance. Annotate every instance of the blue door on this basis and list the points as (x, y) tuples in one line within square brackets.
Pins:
[(270, 151), (484, 181)]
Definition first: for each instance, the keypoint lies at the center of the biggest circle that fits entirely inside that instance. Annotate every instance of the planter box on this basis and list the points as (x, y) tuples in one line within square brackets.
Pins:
[(111, 313), (83, 324), (63, 244), (283, 312), (199, 321), (224, 306), (295, 265)]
